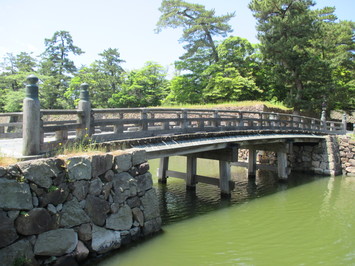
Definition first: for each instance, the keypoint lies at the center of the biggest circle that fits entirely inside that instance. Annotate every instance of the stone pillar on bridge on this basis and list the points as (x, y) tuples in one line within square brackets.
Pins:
[(85, 116), (31, 119)]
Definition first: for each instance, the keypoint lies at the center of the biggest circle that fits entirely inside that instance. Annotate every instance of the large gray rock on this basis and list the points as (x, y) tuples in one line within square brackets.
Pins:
[(150, 205), (97, 209), (79, 168), (85, 232), (81, 189), (138, 216), (2, 171), (81, 252), (20, 249), (95, 187), (40, 172), (124, 186), (122, 220), (15, 195), (36, 221), (101, 164), (138, 157), (104, 240), (152, 226), (55, 197), (56, 242), (7, 230), (144, 182), (72, 214), (123, 162)]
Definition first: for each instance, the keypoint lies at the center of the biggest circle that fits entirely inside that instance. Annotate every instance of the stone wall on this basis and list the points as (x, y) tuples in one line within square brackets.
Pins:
[(347, 153), (58, 210), (322, 159)]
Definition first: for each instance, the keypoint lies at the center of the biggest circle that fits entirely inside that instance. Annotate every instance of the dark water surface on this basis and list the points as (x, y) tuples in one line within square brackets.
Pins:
[(308, 220)]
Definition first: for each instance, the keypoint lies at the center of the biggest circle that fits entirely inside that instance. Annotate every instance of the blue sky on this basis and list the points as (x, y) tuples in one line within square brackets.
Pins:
[(124, 24)]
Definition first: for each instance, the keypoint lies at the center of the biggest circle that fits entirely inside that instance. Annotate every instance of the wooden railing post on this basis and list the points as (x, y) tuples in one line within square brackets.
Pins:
[(323, 121), (85, 117), (184, 121), (144, 117), (118, 128), (216, 117), (31, 118), (241, 121)]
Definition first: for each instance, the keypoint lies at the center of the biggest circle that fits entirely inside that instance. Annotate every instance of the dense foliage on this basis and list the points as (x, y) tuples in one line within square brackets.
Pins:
[(305, 59)]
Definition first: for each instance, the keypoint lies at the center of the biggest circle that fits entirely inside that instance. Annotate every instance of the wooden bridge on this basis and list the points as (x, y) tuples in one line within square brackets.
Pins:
[(164, 132)]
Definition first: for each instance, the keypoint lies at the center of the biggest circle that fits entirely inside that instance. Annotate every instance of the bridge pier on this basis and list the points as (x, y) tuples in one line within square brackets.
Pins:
[(224, 182), (252, 163), (282, 165), (163, 167)]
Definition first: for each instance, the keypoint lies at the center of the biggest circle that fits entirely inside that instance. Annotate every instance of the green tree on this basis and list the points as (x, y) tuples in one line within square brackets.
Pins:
[(199, 25), (57, 69), (232, 77), (14, 70), (142, 88), (293, 42), (104, 77)]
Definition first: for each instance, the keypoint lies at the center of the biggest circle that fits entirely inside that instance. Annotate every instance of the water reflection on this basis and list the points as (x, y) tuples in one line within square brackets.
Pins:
[(177, 203)]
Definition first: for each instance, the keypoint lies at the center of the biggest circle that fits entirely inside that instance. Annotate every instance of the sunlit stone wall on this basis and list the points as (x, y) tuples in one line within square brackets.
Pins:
[(62, 209)]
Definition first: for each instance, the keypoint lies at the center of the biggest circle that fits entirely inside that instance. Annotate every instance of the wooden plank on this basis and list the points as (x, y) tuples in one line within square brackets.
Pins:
[(176, 174)]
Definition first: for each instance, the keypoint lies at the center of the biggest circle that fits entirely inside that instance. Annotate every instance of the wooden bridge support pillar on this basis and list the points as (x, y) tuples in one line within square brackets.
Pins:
[(225, 178), (252, 163), (191, 168), (163, 168), (282, 165)]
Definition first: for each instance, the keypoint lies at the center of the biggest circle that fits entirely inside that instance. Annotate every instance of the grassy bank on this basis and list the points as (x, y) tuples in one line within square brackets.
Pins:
[(230, 105)]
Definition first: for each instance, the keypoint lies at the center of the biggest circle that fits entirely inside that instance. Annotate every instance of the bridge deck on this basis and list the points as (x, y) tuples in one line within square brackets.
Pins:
[(179, 147)]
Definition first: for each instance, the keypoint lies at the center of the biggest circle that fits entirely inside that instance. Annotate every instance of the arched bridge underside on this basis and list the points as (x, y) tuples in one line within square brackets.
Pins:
[(221, 146)]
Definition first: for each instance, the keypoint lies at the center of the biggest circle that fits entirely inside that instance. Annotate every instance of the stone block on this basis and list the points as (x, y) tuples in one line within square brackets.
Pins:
[(123, 162), (85, 232), (121, 220), (72, 214), (81, 252), (150, 205), (8, 233), (79, 168), (2, 171), (20, 249), (144, 182), (36, 221), (56, 196), (101, 164), (95, 187), (56, 242), (138, 157), (40, 171), (104, 240), (15, 195), (138, 216), (81, 189), (97, 209)]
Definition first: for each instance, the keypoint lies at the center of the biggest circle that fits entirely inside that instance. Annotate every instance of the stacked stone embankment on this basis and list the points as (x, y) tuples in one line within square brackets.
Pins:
[(59, 210), (347, 153)]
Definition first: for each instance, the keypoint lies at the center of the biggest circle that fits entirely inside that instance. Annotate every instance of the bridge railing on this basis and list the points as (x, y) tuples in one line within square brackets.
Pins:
[(11, 125), (59, 126)]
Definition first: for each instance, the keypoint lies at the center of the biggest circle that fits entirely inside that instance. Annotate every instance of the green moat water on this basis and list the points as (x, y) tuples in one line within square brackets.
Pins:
[(307, 221)]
